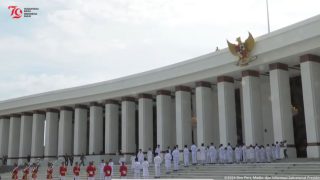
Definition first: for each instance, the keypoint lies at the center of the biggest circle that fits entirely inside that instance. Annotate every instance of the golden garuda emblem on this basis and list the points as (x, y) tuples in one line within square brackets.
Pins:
[(242, 50)]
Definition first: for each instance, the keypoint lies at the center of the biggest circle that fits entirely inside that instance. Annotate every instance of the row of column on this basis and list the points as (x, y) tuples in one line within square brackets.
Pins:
[(215, 113)]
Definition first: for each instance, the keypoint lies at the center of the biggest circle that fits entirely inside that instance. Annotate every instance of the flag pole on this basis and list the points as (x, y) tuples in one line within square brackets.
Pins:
[(268, 16)]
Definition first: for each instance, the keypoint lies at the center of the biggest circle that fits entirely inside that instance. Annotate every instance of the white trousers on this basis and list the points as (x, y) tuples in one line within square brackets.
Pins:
[(194, 157), (157, 171)]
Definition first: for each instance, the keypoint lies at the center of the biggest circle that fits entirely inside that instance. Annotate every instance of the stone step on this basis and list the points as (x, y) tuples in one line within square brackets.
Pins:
[(217, 171)]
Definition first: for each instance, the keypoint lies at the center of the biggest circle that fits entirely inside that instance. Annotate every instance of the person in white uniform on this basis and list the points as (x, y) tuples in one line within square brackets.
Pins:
[(176, 156), (278, 151), (157, 164), (101, 167), (251, 154), (257, 153), (149, 155), (229, 154), (207, 155), (262, 154), (273, 152), (194, 154), (157, 150), (237, 152), (169, 149), (122, 159), (145, 169), (202, 156), (268, 153), (213, 154), (133, 160), (167, 161), (137, 168), (221, 154), (186, 153), (140, 156), (244, 153)]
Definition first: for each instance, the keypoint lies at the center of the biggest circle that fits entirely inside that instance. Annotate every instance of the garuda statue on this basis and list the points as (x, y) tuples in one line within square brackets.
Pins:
[(242, 50)]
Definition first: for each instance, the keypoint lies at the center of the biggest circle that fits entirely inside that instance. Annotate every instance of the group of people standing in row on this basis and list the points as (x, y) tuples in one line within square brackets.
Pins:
[(204, 155), (140, 163)]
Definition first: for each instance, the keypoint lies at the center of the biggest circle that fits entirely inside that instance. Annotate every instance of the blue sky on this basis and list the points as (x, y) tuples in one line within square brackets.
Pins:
[(76, 42)]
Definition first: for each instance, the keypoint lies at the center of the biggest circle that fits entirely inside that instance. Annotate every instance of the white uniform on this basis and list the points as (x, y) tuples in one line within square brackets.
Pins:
[(157, 162), (273, 152), (158, 150), (149, 155), (208, 156), (137, 169), (244, 154), (194, 153), (140, 157), (278, 151), (122, 159), (257, 154), (213, 154), (230, 154), (251, 154), (202, 154), (145, 169), (221, 155), (176, 155), (262, 155), (237, 153), (167, 161), (186, 156), (268, 153), (101, 173)]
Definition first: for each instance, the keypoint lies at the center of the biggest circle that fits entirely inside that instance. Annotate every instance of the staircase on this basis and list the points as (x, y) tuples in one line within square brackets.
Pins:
[(298, 168)]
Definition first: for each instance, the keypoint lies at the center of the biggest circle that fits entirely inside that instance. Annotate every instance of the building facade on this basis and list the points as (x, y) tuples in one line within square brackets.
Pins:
[(206, 99)]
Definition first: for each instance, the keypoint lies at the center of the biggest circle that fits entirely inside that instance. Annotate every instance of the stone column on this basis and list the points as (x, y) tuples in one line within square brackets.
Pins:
[(14, 138), (204, 109), (227, 112), (281, 105), (164, 119), (96, 128), (266, 110), (215, 116), (4, 135), (310, 74), (183, 116), (252, 107), (173, 122), (145, 122), (80, 129), (25, 137), (51, 134), (111, 126), (65, 140), (37, 147), (128, 122), (194, 118)]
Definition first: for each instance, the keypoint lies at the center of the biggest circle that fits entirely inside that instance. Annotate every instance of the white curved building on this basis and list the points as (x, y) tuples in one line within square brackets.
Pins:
[(201, 100)]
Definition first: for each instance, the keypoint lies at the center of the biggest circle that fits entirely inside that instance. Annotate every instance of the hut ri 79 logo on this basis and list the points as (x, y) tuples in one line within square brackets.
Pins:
[(17, 12)]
